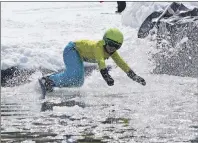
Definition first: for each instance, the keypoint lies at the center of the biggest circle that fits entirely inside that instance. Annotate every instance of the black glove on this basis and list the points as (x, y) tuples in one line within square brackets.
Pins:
[(136, 78), (107, 77)]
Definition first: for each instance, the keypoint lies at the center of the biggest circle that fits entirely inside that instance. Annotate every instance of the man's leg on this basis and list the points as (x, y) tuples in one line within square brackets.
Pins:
[(73, 76)]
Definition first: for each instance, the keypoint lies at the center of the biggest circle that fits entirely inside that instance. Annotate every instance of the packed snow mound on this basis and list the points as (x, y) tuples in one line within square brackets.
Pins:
[(173, 28), (136, 12)]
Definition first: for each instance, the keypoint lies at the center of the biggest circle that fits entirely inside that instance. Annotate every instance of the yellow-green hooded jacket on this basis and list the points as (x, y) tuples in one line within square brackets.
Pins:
[(93, 51)]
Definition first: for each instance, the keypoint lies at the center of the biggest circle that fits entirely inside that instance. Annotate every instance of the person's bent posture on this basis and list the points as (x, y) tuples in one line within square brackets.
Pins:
[(90, 51)]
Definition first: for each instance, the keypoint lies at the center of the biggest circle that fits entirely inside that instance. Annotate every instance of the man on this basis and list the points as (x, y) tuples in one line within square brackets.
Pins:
[(121, 6), (90, 51)]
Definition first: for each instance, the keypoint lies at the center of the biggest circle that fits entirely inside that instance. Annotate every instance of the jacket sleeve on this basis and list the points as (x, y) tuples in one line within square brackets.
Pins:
[(120, 62), (99, 54)]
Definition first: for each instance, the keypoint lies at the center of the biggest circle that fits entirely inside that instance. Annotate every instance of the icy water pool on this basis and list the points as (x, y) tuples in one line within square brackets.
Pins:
[(166, 114)]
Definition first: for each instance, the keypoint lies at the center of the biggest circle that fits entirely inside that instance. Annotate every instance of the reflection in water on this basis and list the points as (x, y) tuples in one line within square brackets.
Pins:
[(20, 136), (195, 140), (12, 109), (49, 105), (98, 118), (196, 130), (40, 137), (17, 112)]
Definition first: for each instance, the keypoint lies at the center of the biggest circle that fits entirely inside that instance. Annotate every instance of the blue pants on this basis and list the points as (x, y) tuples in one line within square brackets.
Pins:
[(73, 76)]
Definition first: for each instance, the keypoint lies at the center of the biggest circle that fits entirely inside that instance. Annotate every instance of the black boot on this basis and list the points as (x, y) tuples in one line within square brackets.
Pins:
[(48, 83)]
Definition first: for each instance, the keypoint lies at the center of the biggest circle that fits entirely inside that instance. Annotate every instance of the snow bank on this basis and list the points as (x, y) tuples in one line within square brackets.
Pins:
[(136, 12)]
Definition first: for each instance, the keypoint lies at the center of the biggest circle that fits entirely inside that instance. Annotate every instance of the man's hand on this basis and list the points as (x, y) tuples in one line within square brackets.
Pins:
[(107, 77), (139, 80), (136, 78)]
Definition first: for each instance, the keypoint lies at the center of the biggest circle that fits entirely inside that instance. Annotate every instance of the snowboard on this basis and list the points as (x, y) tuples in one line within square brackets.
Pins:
[(43, 90)]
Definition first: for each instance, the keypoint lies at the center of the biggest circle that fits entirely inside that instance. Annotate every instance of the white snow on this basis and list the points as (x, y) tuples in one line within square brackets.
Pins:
[(139, 11), (35, 34)]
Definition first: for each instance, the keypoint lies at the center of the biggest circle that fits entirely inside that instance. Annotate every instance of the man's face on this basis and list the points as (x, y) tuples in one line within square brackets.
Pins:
[(110, 49), (111, 46)]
